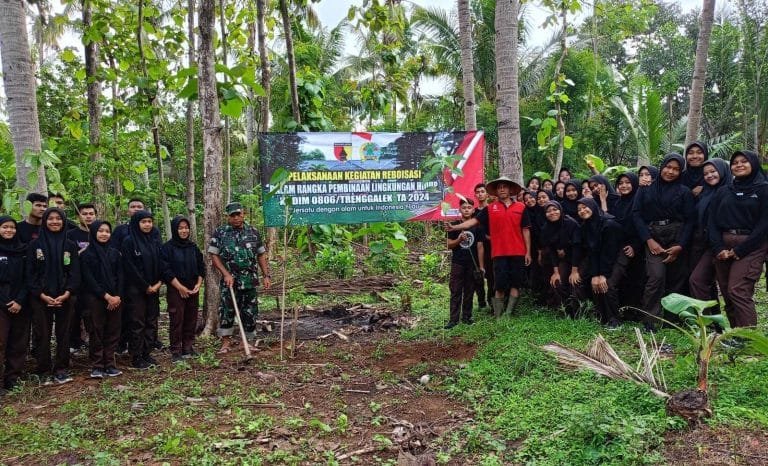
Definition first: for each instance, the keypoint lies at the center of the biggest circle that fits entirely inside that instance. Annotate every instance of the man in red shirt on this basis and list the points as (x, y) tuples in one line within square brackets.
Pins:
[(509, 226)]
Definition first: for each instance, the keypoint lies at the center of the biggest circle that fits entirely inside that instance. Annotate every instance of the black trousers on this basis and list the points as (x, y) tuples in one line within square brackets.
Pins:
[(14, 342), (462, 286), (104, 332), (43, 320), (663, 278), (182, 313), (144, 310)]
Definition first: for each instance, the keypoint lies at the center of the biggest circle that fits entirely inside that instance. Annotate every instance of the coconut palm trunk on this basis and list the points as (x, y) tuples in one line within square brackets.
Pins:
[(699, 71), (467, 65), (19, 86), (93, 91), (507, 97)]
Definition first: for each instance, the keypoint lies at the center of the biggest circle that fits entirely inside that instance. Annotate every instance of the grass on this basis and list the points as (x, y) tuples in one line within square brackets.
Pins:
[(526, 409), (529, 410)]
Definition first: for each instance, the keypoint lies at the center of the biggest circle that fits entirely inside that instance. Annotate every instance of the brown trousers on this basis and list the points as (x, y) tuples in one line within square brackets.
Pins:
[(183, 320), (104, 332), (737, 279)]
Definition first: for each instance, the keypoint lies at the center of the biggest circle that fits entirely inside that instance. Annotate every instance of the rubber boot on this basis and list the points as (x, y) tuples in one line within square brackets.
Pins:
[(498, 306), (511, 303)]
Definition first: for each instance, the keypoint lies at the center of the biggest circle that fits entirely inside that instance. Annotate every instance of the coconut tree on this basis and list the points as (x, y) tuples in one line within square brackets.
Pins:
[(19, 85), (507, 99), (467, 65), (699, 71)]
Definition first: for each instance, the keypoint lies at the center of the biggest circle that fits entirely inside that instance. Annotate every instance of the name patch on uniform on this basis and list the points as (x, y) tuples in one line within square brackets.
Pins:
[(67, 259), (39, 254)]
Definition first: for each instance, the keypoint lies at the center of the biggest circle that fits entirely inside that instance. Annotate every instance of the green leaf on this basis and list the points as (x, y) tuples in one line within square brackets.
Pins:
[(68, 56), (552, 113), (567, 142), (536, 122), (190, 90), (678, 304), (232, 107), (128, 185), (599, 164), (543, 175), (80, 74)]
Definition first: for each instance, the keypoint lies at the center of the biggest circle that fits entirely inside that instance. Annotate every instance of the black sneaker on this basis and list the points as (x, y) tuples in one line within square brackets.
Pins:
[(467, 321), (112, 372), (177, 358), (450, 325), (612, 325), (97, 373), (62, 377), (150, 360), (649, 327), (732, 343), (189, 354), (158, 345), (141, 364)]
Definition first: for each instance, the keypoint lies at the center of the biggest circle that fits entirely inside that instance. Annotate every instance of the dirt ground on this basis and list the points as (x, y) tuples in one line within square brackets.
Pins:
[(364, 371)]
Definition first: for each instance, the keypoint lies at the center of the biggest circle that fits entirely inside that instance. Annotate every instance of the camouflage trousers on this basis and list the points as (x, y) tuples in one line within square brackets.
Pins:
[(247, 303)]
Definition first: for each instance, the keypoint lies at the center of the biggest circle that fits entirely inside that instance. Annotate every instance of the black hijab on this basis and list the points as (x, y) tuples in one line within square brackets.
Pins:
[(613, 197), (52, 244), (668, 191), (653, 170), (623, 210), (13, 246), (175, 238), (724, 170), (593, 226), (145, 245), (555, 233), (752, 182), (98, 254), (569, 206), (694, 176)]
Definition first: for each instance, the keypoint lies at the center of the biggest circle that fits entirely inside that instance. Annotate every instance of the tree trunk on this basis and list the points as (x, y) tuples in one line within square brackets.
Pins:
[(93, 92), (558, 104), (250, 111), (19, 86), (507, 98), (699, 71), (467, 65), (190, 116), (224, 60), (155, 125), (266, 74), (212, 152), (115, 131), (291, 61)]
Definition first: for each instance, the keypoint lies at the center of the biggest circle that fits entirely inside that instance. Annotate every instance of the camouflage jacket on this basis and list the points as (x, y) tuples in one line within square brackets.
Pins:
[(239, 250)]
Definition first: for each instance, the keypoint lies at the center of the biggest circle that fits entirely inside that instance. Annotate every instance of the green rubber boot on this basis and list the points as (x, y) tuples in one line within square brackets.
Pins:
[(498, 306), (511, 303)]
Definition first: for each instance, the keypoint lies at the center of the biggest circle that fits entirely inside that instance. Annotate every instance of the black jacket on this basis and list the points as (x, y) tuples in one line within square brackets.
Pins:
[(182, 258)]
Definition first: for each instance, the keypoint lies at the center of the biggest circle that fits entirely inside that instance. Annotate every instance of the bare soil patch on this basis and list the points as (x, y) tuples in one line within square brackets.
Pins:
[(716, 446)]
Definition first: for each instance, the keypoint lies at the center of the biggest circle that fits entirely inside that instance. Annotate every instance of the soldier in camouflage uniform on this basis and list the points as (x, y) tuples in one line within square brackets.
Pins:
[(237, 253)]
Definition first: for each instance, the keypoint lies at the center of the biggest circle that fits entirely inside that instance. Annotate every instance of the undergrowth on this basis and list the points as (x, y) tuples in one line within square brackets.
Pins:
[(530, 410)]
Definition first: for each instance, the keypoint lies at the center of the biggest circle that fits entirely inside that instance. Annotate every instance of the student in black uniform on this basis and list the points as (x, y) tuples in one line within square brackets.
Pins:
[(717, 175), (144, 268), (103, 276), (664, 217), (15, 315), (737, 228), (54, 278), (602, 238), (119, 234), (183, 276), (81, 324), (29, 228), (465, 262), (561, 237)]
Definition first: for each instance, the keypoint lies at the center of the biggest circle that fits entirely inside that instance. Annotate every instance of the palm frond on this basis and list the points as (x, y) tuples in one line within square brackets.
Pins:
[(601, 358)]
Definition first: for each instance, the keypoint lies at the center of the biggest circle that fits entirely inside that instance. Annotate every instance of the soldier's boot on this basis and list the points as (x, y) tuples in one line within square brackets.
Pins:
[(498, 306), (511, 303)]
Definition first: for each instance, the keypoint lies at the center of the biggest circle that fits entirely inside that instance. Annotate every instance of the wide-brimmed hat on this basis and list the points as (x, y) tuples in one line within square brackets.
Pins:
[(491, 187)]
